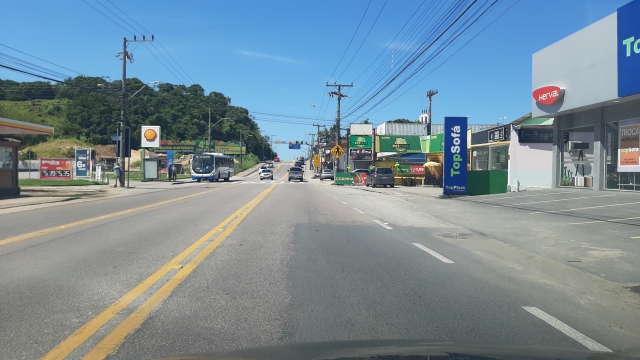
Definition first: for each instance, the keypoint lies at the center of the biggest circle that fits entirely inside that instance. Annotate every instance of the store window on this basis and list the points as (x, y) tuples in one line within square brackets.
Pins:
[(499, 157), (6, 157), (480, 158), (622, 170), (577, 157)]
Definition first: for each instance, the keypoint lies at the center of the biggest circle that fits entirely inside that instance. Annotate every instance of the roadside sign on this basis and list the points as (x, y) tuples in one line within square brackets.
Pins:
[(115, 138), (82, 163), (337, 151), (56, 169), (316, 160)]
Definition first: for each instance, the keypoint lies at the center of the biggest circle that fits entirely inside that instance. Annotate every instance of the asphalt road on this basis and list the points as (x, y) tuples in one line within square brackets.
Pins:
[(219, 266)]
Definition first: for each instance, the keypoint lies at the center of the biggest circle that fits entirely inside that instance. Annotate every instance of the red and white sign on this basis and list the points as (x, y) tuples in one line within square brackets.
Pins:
[(548, 95), (417, 170), (56, 169)]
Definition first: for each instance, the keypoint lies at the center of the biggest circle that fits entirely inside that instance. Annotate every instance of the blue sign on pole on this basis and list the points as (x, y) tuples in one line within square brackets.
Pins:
[(82, 162), (455, 156), (169, 158), (629, 49), (293, 146)]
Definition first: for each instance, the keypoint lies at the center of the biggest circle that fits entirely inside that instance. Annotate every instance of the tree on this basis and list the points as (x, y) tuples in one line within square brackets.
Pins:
[(404, 121)]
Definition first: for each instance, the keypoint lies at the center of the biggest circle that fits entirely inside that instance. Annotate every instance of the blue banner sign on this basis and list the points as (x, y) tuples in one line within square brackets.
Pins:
[(455, 156), (628, 49), (294, 146), (82, 162)]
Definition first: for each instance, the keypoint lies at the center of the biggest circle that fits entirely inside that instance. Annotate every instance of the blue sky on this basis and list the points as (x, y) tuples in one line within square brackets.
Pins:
[(274, 57)]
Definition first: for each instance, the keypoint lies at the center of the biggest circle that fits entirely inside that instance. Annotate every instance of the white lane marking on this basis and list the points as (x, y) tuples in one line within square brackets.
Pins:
[(358, 210), (566, 329), (344, 202), (584, 208), (381, 224), (433, 253), (567, 199)]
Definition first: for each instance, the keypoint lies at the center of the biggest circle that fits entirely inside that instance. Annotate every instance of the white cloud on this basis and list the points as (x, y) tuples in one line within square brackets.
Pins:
[(271, 57)]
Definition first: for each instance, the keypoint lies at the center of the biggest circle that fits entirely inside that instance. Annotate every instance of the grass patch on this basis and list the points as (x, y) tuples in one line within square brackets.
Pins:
[(39, 182)]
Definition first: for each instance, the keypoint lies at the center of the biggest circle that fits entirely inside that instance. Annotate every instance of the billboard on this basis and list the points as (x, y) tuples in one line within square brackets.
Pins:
[(629, 146), (150, 136), (455, 156), (56, 169), (229, 147), (409, 144), (628, 49), (361, 129), (82, 162), (361, 154), (344, 178), (360, 142)]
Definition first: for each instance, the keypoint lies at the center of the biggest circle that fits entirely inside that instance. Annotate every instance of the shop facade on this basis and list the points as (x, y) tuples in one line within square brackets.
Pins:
[(531, 154), (589, 82)]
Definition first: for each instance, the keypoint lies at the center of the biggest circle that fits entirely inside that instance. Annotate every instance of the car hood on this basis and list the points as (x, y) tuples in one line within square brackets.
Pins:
[(409, 349)]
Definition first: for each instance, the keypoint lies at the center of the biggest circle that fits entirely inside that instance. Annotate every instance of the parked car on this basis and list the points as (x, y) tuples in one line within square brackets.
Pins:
[(381, 176), (361, 171), (266, 174), (295, 173), (327, 174)]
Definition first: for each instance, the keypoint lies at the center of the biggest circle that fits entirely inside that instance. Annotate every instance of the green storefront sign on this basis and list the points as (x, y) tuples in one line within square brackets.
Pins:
[(360, 142), (344, 178), (410, 144)]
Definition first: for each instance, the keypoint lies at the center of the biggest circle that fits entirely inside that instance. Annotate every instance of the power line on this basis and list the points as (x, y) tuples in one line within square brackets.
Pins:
[(29, 73), (363, 40), (116, 15), (110, 19), (35, 57), (161, 63), (174, 68), (28, 65), (352, 37)]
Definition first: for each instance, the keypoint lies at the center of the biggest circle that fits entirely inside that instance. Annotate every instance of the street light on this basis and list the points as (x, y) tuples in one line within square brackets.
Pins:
[(248, 136), (209, 145)]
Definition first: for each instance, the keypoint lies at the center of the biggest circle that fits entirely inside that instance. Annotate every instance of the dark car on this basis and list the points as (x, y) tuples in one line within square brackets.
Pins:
[(381, 176), (295, 173)]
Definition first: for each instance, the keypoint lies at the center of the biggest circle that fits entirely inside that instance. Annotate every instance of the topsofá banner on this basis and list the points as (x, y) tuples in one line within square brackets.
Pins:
[(629, 49), (455, 156)]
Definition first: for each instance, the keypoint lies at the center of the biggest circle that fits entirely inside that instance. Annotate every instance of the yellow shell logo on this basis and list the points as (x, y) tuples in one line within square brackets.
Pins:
[(150, 135)]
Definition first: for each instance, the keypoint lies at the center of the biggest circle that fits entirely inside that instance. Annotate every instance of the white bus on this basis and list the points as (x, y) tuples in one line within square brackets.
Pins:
[(212, 167)]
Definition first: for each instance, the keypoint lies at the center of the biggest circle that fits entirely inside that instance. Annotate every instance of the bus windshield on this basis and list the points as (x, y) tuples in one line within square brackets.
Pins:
[(202, 164)]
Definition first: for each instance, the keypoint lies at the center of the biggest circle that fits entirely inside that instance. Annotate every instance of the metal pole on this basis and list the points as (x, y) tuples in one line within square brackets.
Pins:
[(241, 150), (29, 153), (209, 146), (129, 158), (124, 99)]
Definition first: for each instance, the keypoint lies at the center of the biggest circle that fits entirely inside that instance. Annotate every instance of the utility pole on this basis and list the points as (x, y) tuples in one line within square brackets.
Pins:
[(241, 148), (209, 143), (125, 56), (430, 94), (339, 95), (318, 144)]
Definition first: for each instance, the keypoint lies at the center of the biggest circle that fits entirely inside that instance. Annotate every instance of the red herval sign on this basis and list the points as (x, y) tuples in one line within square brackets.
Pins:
[(548, 95)]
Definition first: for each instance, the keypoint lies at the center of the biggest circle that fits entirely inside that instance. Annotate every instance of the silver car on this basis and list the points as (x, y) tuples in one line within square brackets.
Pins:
[(326, 174), (295, 173), (266, 174)]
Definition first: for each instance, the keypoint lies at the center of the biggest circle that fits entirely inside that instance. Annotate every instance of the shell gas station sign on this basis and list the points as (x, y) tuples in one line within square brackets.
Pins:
[(150, 136)]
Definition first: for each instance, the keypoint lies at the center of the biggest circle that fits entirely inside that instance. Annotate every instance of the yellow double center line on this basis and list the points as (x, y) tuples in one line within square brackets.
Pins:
[(110, 343)]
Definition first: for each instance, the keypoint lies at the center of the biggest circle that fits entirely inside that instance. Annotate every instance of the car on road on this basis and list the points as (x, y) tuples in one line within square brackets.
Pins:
[(296, 173), (276, 159), (365, 171), (266, 174), (299, 163), (270, 164), (381, 176), (327, 174)]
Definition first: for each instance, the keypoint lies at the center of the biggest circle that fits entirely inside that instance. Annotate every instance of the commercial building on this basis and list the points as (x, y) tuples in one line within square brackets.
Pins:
[(589, 82)]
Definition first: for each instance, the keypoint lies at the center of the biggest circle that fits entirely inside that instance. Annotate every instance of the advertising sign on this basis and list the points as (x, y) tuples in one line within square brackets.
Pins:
[(535, 135), (229, 147), (410, 170), (400, 144), (150, 136), (344, 178), (82, 163), (455, 156), (316, 160), (360, 142), (548, 95), (360, 178), (628, 49), (629, 148), (361, 154), (56, 169), (499, 134)]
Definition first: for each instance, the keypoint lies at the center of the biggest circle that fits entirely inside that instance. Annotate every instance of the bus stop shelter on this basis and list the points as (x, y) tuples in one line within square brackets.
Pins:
[(9, 147)]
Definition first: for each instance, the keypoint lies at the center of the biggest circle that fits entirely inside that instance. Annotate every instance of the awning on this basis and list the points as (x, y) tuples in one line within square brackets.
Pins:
[(497, 143), (15, 127)]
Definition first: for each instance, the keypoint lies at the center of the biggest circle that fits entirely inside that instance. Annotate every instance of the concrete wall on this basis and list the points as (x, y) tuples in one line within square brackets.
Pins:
[(585, 64), (530, 164)]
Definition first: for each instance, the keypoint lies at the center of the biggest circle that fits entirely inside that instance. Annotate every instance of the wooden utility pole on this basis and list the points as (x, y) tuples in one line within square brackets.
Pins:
[(339, 95), (125, 56), (209, 143)]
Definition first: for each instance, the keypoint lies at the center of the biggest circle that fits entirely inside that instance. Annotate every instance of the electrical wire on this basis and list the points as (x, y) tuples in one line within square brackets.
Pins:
[(29, 73), (110, 19), (352, 37), (43, 60)]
